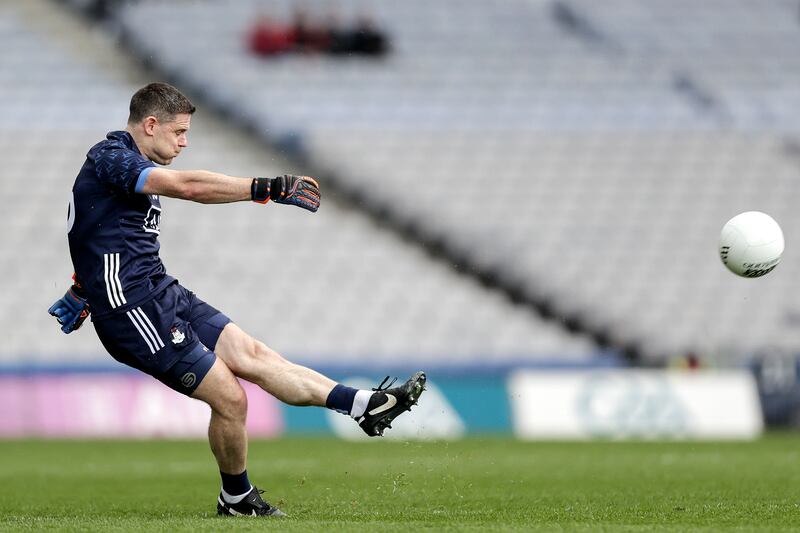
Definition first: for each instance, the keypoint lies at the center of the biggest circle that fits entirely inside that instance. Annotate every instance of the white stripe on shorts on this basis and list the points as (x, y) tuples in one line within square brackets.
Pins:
[(141, 332), (148, 326)]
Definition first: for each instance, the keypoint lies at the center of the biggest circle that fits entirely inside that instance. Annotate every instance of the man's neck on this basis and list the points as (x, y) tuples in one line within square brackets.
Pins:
[(136, 139)]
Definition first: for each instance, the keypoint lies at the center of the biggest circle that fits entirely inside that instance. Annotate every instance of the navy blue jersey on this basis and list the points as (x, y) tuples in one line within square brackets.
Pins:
[(114, 228)]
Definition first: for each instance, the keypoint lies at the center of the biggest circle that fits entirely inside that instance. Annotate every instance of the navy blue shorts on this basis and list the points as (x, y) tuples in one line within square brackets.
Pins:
[(172, 337)]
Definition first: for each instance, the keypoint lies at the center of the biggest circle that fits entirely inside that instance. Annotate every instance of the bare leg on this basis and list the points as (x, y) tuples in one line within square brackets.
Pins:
[(253, 361), (227, 433)]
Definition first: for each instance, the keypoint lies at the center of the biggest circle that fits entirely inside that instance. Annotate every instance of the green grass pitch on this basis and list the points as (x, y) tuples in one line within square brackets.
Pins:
[(488, 484)]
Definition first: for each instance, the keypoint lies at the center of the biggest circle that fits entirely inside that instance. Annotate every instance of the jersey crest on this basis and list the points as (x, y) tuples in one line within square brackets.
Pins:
[(152, 220)]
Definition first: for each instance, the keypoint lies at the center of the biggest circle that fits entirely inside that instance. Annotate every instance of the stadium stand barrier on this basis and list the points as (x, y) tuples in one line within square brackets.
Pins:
[(586, 169)]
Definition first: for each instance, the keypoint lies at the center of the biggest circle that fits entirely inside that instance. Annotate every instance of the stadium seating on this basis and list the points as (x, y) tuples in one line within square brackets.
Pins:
[(589, 151), (330, 289), (745, 56)]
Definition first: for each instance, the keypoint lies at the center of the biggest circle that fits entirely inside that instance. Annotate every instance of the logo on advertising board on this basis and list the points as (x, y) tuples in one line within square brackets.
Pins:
[(613, 405), (635, 403)]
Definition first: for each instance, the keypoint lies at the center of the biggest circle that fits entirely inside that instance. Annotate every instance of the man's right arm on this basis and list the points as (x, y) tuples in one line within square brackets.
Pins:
[(214, 188), (196, 185)]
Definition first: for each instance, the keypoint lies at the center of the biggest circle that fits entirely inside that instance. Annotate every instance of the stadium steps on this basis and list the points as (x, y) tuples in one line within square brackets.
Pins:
[(328, 289), (590, 186)]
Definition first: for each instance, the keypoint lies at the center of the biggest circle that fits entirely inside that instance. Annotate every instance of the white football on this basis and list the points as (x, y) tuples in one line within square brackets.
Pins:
[(751, 244)]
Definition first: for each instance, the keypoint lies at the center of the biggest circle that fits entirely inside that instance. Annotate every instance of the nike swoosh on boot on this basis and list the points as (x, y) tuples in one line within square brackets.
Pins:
[(390, 402)]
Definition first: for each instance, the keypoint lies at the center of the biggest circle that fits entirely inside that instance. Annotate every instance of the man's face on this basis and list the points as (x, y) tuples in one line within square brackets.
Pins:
[(169, 138)]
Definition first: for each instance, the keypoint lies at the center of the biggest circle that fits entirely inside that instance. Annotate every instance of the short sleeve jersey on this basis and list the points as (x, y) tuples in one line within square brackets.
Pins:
[(114, 228)]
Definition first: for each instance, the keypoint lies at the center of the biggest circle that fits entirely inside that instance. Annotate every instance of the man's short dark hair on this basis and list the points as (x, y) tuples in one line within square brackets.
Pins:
[(160, 100)]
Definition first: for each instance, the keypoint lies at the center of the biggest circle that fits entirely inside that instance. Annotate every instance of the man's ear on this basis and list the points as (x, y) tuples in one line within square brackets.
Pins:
[(149, 124)]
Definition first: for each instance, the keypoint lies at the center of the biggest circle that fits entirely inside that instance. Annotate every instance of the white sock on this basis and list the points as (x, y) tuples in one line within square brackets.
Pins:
[(235, 499), (360, 403)]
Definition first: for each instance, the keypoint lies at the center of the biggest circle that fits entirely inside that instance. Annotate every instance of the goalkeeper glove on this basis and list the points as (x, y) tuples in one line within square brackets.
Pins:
[(301, 191), (71, 310)]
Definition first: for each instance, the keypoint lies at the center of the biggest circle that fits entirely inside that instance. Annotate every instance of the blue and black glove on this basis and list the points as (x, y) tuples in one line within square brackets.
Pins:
[(71, 310), (301, 191)]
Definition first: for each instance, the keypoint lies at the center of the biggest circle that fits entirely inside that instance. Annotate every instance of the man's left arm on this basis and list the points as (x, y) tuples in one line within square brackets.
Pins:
[(72, 309)]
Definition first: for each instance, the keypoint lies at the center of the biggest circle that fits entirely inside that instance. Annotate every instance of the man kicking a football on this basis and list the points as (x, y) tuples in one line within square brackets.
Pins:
[(147, 320)]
